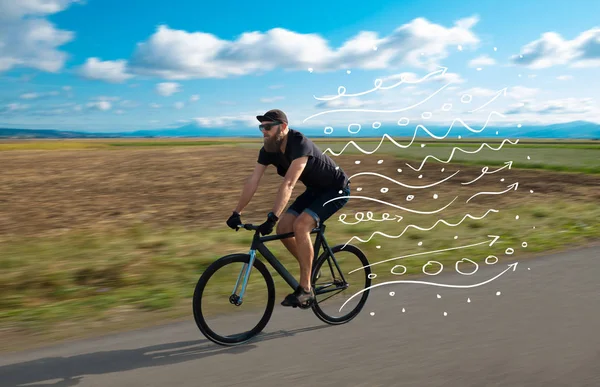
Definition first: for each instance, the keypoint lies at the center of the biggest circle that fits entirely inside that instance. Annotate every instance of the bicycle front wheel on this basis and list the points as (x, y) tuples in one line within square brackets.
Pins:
[(336, 279), (216, 304)]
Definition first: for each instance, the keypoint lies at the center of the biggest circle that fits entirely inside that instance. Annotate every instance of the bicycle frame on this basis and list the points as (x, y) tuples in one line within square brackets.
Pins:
[(258, 244)]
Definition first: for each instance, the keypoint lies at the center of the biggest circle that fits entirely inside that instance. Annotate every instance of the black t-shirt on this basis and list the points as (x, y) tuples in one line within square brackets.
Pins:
[(320, 172)]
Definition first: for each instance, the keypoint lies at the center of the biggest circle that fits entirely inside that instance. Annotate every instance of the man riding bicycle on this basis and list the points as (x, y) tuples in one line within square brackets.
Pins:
[(296, 158)]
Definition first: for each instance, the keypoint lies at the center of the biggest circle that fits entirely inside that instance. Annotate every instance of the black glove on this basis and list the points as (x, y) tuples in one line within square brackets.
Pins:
[(267, 227), (234, 220)]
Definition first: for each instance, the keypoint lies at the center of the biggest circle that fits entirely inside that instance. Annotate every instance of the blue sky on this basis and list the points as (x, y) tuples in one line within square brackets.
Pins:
[(126, 65)]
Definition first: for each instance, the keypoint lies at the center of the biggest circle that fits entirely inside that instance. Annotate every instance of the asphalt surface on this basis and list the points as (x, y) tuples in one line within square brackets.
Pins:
[(542, 329)]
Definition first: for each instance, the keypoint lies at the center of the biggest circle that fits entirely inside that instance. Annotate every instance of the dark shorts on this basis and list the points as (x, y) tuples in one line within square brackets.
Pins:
[(312, 202)]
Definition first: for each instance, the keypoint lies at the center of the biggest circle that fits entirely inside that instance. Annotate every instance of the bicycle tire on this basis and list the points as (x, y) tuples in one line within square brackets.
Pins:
[(363, 298), (197, 301)]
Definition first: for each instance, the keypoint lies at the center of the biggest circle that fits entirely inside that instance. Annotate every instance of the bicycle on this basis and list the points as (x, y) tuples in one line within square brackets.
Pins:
[(250, 260)]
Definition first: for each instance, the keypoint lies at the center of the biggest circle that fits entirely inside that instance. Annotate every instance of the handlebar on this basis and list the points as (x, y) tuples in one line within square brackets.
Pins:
[(247, 226)]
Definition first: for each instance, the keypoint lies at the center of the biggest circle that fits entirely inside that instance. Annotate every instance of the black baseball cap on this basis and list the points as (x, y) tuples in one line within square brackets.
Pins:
[(273, 115)]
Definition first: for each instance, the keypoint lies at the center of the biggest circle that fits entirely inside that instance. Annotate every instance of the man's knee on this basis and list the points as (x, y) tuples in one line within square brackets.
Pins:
[(286, 223), (304, 223)]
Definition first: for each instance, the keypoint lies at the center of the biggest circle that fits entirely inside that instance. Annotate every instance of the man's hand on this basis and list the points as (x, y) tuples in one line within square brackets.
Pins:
[(267, 227), (234, 220)]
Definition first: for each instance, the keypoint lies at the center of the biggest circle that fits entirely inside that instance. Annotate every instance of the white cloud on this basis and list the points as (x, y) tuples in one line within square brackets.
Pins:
[(67, 88), (553, 50), (556, 106), (226, 121), (105, 98), (168, 88), (483, 60), (564, 77), (154, 105), (28, 39), (100, 105), (522, 92), (413, 78), (36, 95), (30, 96), (119, 111), (479, 92), (176, 54), (178, 105), (13, 107), (108, 71), (345, 103), (273, 87), (272, 99), (194, 98)]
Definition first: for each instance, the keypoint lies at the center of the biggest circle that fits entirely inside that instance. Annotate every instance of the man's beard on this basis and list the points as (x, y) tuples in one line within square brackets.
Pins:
[(274, 144)]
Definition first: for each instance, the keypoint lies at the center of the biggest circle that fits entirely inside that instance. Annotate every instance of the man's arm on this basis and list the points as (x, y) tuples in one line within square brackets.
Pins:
[(250, 187), (287, 186)]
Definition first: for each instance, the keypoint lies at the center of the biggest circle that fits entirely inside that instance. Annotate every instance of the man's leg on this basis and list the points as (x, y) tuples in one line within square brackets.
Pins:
[(285, 225), (303, 225)]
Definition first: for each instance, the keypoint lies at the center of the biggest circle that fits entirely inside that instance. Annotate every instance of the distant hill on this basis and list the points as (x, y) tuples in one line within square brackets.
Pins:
[(570, 130)]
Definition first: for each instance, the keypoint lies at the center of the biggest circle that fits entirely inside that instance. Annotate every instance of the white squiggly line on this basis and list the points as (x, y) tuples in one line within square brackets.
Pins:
[(419, 228), (385, 217), (378, 82), (512, 266), (502, 91), (510, 187), (462, 150), (485, 169), (403, 184), (494, 239), (390, 204), (380, 111), (415, 135)]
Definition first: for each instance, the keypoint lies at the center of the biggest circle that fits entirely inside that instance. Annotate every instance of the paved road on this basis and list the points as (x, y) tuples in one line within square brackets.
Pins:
[(543, 329)]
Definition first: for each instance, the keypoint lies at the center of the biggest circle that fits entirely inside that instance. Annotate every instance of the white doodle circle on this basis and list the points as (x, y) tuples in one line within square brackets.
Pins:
[(443, 169), (384, 190), (394, 268), (348, 71), (498, 293), (456, 237), (328, 130), (410, 197), (466, 259), (359, 188), (435, 196), (357, 162), (420, 244), (399, 170), (403, 121), (372, 276), (351, 125), (509, 251), (420, 176), (446, 107), (466, 100), (341, 90), (431, 263), (491, 263), (392, 294), (380, 162), (426, 115), (524, 244), (376, 125), (517, 217)]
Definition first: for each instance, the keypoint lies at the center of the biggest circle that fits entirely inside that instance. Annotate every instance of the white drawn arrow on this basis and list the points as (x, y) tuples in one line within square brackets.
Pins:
[(512, 266), (485, 169), (510, 187), (494, 239)]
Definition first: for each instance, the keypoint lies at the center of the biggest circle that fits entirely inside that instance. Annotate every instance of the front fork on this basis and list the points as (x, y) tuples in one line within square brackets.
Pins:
[(244, 277)]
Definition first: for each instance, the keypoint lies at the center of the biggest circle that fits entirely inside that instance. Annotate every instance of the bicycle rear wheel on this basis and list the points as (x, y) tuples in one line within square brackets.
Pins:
[(226, 276), (334, 284)]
